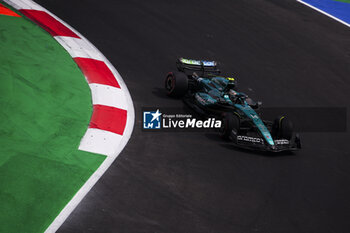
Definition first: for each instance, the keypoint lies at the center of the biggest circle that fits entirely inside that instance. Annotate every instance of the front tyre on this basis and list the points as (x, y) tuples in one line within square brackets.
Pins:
[(282, 128), (176, 84), (230, 123)]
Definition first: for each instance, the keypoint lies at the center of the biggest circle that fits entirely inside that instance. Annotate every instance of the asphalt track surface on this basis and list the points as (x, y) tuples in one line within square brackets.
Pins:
[(284, 54)]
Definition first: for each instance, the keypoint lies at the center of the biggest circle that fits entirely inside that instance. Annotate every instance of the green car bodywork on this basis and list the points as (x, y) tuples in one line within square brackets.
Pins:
[(213, 90)]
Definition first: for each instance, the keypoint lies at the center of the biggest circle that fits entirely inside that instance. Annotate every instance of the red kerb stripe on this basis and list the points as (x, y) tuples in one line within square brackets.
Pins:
[(96, 71), (47, 22), (108, 118)]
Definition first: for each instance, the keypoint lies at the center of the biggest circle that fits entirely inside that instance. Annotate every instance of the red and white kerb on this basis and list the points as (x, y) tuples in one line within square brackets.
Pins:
[(113, 115), (112, 106)]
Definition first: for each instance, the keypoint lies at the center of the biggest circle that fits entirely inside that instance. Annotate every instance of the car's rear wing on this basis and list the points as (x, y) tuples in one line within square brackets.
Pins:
[(190, 65)]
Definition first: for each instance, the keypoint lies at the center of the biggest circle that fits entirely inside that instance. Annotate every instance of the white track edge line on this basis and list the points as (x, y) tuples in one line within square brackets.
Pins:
[(72, 204), (68, 209), (323, 12)]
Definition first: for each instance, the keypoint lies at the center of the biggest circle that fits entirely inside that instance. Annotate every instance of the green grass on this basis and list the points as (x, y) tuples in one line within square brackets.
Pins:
[(45, 109), (347, 1)]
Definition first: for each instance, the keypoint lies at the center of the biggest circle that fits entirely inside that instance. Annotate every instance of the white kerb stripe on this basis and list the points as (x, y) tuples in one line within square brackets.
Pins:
[(25, 4), (108, 95), (100, 142), (77, 47)]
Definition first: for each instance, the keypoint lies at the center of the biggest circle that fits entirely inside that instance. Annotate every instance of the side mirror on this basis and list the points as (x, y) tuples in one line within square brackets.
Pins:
[(259, 104)]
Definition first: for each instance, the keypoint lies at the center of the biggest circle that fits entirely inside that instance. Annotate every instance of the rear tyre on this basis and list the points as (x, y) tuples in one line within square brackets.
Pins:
[(176, 84), (230, 122), (282, 128)]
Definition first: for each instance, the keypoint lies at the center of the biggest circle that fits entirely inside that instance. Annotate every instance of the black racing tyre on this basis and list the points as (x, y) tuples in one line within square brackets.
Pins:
[(176, 84), (230, 122), (282, 128)]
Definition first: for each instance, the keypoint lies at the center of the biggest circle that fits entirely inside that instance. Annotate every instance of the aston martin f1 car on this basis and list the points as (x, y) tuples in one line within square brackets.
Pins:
[(199, 84)]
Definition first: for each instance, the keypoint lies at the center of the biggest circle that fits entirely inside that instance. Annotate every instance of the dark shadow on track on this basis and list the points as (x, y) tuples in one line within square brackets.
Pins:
[(160, 93)]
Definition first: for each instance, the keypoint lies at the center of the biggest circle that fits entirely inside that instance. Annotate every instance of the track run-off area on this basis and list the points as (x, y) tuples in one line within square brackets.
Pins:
[(109, 128), (281, 52), (45, 109)]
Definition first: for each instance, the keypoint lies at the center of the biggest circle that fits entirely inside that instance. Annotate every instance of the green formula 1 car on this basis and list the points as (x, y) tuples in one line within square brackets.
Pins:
[(199, 84)]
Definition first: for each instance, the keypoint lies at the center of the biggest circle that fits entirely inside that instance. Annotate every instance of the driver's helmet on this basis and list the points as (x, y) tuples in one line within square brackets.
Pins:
[(224, 83), (231, 83)]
